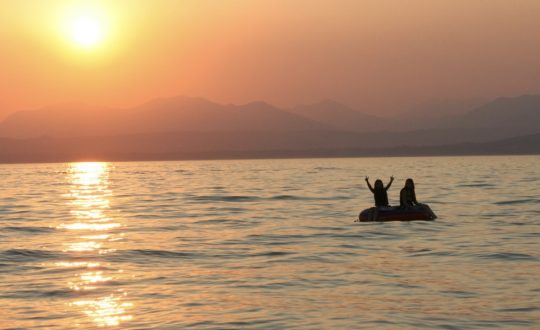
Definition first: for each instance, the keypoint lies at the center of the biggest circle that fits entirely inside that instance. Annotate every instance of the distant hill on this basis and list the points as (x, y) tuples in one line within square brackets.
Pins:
[(435, 114), (508, 116), (72, 119), (184, 127), (184, 114), (445, 107), (227, 145), (521, 113), (341, 117), (179, 114), (521, 145)]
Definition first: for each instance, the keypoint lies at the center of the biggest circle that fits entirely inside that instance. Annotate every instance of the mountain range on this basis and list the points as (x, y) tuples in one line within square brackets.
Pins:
[(186, 127)]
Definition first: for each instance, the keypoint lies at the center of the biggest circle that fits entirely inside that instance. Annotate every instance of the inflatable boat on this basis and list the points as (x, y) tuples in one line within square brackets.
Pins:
[(419, 212)]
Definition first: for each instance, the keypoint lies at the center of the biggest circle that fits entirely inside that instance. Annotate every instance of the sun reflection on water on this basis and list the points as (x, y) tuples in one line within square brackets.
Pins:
[(89, 173), (84, 246), (77, 264), (88, 226), (106, 311), (94, 231)]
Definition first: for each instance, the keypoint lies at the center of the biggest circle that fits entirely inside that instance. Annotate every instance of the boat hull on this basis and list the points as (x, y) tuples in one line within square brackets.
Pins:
[(420, 212)]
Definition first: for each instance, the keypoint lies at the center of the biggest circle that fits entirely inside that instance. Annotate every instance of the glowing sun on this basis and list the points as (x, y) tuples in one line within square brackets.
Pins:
[(86, 31)]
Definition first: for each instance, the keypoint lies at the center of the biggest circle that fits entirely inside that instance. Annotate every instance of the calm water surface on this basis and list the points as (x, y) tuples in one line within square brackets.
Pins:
[(268, 244)]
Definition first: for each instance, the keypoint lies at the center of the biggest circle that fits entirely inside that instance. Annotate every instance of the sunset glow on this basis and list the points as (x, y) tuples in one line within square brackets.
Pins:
[(285, 53)]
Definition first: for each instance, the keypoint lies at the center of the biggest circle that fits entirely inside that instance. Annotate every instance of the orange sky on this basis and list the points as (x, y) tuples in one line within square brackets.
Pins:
[(378, 56)]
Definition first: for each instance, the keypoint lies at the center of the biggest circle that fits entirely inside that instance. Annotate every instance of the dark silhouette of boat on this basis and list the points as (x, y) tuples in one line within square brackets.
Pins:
[(419, 212)]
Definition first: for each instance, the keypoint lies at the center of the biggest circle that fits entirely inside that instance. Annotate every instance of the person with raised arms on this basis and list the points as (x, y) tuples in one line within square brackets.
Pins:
[(380, 191)]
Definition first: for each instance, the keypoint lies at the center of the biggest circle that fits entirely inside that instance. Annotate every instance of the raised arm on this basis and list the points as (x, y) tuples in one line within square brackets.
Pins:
[(389, 183), (369, 185)]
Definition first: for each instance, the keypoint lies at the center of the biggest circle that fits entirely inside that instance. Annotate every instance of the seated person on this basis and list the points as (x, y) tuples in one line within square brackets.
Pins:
[(407, 195)]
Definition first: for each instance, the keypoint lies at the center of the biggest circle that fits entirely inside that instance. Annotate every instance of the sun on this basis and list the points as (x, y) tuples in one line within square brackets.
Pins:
[(86, 31)]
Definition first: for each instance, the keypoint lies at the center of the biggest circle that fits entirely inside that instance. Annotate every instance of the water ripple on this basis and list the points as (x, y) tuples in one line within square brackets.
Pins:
[(268, 244)]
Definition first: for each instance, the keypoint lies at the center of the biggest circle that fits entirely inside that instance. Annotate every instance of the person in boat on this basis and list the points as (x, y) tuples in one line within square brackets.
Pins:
[(407, 199), (379, 192), (407, 195)]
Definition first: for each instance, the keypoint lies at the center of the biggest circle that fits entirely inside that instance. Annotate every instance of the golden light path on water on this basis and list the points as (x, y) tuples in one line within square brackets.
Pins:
[(91, 229)]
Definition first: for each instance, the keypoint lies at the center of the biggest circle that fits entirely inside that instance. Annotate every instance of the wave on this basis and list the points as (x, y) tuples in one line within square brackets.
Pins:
[(221, 198), (509, 256), (143, 255), (291, 238), (28, 229), (476, 185), (517, 201), (246, 198), (308, 198), (46, 294), (519, 309), (272, 254), (28, 255), (287, 197)]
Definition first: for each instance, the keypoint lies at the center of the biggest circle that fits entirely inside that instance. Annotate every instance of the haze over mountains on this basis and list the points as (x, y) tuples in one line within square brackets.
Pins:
[(178, 127)]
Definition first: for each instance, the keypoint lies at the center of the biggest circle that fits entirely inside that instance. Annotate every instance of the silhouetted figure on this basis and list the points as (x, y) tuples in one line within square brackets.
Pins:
[(407, 199), (407, 195), (379, 192)]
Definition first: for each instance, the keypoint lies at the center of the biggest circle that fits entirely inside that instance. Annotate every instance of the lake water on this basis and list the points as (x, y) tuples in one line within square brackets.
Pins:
[(268, 244)]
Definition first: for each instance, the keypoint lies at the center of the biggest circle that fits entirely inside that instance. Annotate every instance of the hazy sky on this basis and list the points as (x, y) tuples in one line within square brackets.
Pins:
[(378, 56)]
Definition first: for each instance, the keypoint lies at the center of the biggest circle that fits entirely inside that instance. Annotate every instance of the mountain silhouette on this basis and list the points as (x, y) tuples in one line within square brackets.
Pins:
[(521, 113), (341, 117), (509, 116), (70, 119), (185, 114), (178, 114), (186, 127)]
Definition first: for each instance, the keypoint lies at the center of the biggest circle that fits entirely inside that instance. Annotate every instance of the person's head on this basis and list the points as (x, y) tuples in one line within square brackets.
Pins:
[(409, 184), (378, 184)]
